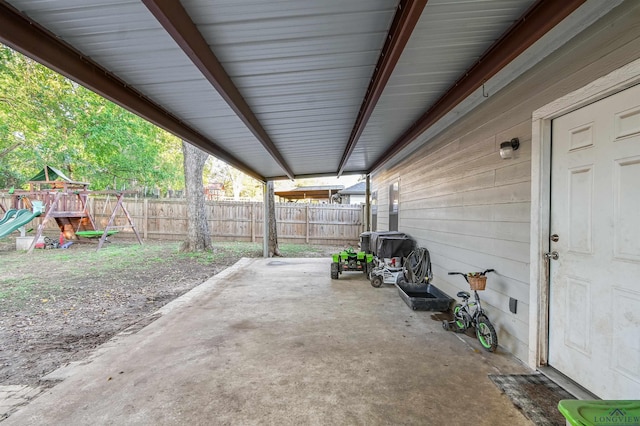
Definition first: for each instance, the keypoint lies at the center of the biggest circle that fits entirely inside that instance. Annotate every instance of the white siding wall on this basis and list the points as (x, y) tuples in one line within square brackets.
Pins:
[(469, 207), (471, 210)]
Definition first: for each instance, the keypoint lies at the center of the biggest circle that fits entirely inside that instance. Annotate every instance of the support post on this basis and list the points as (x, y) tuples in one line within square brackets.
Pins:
[(145, 218), (85, 211), (46, 217), (265, 219), (367, 208), (92, 207), (112, 218), (307, 224), (133, 225), (253, 222)]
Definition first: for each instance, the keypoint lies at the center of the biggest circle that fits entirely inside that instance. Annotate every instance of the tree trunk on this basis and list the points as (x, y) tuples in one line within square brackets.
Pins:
[(198, 236), (271, 212)]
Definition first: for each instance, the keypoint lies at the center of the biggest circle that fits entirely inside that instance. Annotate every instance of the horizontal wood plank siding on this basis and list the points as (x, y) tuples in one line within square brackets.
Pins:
[(472, 209)]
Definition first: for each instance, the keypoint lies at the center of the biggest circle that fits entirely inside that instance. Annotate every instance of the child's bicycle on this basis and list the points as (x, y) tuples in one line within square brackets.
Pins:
[(467, 315)]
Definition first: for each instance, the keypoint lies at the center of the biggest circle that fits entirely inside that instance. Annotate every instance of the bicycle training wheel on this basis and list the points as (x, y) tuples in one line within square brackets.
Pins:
[(457, 316), (486, 334)]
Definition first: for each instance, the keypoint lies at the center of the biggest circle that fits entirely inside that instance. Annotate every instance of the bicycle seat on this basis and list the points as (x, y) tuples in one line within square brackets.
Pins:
[(463, 295)]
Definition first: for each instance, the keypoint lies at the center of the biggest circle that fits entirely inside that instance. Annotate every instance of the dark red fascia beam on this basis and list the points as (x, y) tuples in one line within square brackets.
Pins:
[(177, 22), (319, 175), (25, 36), (536, 22), (407, 15)]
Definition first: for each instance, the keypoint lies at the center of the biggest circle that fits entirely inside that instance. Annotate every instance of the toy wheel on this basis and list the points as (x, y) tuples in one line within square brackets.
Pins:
[(376, 281), (486, 334), (367, 269), (334, 271), (445, 325)]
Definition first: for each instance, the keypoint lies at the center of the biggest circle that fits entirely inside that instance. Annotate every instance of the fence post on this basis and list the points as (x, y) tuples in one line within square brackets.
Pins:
[(253, 222), (145, 218), (307, 224)]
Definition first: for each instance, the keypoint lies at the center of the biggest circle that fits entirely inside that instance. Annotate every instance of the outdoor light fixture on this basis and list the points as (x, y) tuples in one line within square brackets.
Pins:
[(507, 148)]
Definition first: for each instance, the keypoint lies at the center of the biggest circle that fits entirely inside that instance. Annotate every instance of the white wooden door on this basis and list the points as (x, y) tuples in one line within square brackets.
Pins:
[(594, 312)]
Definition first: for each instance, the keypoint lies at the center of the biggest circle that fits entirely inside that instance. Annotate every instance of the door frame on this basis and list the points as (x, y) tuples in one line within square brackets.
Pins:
[(614, 82)]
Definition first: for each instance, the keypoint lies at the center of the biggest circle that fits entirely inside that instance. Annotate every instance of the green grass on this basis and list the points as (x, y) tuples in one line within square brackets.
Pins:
[(18, 289), (81, 262), (296, 250), (24, 276), (223, 249)]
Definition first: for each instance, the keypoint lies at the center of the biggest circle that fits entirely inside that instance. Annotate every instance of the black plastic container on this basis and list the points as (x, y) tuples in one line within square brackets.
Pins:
[(424, 297), (365, 242), (391, 244)]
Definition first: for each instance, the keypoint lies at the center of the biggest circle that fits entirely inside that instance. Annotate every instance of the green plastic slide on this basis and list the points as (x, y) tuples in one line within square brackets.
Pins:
[(21, 218), (8, 215)]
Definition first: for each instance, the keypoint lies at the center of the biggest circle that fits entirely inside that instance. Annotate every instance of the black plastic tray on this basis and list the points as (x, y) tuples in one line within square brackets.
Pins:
[(424, 297)]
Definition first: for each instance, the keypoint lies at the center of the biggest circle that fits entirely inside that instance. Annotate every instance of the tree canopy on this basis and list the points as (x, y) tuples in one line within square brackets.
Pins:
[(46, 118)]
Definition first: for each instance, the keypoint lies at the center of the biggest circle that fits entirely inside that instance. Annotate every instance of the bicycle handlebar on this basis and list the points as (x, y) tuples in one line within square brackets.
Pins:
[(469, 273)]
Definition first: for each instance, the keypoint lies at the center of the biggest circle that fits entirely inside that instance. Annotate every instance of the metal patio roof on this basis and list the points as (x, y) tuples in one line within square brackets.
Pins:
[(283, 88)]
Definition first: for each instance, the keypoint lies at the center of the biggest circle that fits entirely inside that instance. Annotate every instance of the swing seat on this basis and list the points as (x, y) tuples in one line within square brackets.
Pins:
[(95, 234)]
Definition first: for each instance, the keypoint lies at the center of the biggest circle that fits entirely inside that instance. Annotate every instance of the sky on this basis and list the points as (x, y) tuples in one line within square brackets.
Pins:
[(345, 181)]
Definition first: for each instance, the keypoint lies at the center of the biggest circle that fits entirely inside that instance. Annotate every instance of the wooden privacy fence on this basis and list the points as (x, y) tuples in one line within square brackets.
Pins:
[(330, 224)]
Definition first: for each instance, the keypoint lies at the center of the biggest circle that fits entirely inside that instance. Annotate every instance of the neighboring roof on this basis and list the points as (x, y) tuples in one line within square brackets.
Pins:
[(317, 188), (357, 189), (310, 192), (287, 89), (53, 174)]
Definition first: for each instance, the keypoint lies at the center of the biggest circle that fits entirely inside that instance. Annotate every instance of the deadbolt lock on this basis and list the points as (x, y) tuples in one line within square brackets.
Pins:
[(555, 238), (552, 255)]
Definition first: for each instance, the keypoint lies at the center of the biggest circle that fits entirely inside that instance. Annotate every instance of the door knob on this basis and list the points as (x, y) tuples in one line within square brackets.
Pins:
[(551, 255)]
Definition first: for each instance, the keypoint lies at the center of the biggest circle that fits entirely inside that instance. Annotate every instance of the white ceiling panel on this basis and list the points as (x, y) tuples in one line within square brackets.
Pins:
[(302, 66), (298, 63), (125, 38), (449, 37)]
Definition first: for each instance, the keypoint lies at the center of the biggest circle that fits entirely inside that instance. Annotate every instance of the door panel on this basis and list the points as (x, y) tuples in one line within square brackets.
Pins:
[(577, 314), (580, 196), (594, 304), (626, 190)]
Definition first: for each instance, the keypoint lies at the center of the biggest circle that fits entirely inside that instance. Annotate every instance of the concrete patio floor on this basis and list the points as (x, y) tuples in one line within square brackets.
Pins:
[(276, 341)]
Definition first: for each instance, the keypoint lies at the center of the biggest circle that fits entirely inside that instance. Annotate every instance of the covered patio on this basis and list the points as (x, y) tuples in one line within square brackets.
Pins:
[(278, 342), (421, 97)]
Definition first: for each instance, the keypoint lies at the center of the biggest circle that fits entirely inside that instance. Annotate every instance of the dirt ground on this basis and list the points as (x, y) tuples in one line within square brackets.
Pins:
[(57, 305)]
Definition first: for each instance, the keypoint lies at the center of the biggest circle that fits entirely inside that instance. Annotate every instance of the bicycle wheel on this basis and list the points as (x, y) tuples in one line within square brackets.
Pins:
[(457, 316), (486, 334)]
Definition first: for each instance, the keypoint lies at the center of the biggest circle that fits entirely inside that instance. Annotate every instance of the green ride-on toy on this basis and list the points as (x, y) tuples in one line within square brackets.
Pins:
[(349, 260)]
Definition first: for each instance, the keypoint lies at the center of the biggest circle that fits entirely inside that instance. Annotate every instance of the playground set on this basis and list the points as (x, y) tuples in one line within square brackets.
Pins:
[(53, 195)]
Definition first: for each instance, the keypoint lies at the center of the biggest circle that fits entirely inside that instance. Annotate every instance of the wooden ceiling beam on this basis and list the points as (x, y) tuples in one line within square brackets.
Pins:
[(177, 22)]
